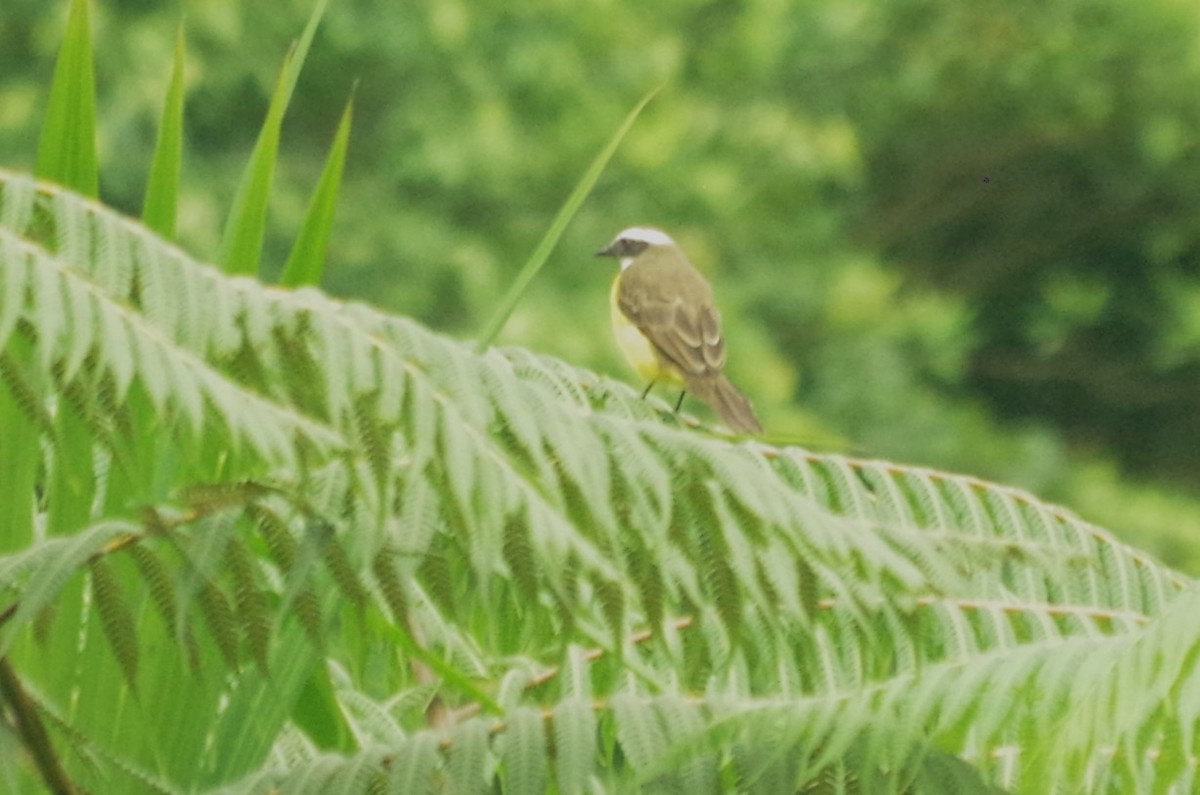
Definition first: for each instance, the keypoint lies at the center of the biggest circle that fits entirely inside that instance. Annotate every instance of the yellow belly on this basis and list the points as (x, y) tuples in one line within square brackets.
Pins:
[(637, 349)]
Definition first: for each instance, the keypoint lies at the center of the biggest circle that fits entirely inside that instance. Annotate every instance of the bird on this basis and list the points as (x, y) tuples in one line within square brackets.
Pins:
[(667, 325)]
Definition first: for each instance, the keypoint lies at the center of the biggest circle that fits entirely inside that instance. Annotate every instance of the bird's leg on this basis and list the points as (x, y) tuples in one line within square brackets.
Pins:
[(679, 402), (646, 391)]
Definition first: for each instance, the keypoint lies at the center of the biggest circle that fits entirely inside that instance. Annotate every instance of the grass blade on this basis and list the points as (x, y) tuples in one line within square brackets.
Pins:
[(67, 149), (318, 714), (307, 259), (162, 189), (241, 243), (19, 447), (572, 205)]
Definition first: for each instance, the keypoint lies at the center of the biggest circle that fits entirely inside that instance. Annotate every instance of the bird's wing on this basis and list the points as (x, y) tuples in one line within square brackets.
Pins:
[(675, 312)]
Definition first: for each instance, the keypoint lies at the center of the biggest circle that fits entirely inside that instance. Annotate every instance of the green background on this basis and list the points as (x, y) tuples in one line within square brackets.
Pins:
[(965, 235)]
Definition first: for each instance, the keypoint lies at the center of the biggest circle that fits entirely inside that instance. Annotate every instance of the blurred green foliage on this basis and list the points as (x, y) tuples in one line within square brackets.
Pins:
[(959, 234)]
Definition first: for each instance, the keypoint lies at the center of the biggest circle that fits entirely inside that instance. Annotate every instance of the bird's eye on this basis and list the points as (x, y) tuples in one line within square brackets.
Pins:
[(628, 247)]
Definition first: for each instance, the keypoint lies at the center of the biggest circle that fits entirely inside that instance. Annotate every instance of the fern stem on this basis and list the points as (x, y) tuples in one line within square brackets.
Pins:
[(32, 732)]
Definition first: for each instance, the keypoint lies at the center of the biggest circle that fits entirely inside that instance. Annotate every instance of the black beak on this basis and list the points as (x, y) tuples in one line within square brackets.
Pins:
[(607, 251)]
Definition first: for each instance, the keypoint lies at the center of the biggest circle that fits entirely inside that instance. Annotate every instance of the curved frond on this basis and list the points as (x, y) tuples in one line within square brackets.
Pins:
[(516, 571)]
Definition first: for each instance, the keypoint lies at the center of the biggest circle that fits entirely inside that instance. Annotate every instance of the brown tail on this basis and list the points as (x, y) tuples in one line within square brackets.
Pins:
[(727, 401)]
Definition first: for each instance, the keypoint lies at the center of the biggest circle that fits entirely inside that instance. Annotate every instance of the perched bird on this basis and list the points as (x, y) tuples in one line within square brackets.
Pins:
[(667, 326)]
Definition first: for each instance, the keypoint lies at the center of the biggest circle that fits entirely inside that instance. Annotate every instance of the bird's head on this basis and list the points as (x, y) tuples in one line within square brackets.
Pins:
[(633, 241)]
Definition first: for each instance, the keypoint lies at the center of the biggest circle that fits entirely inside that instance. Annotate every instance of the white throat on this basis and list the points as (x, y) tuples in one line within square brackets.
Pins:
[(626, 262)]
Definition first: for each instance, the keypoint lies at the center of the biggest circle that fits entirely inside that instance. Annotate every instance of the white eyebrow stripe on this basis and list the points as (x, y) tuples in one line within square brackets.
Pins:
[(646, 234)]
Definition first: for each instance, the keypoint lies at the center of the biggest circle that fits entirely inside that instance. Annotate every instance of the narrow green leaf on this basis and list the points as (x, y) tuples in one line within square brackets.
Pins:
[(241, 244), (162, 189), (72, 480), (569, 208), (453, 677), (67, 149), (259, 706), (318, 714), (307, 260), (19, 460), (19, 448), (242, 240)]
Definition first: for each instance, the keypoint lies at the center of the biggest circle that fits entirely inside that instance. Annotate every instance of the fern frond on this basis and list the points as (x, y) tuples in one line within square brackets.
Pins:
[(471, 763), (506, 521), (116, 618), (575, 743), (129, 349), (253, 611), (415, 765), (39, 572), (523, 751), (220, 618)]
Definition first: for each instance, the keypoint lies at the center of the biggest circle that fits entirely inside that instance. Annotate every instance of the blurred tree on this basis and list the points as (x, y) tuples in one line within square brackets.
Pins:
[(1033, 157)]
